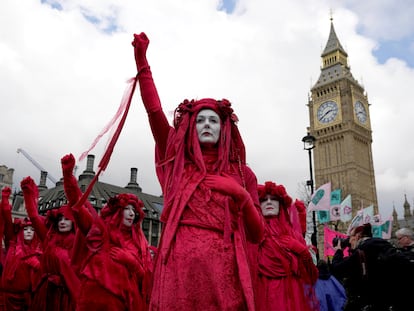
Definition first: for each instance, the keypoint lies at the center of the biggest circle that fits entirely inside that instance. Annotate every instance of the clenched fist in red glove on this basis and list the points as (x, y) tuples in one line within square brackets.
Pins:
[(68, 164), (30, 194), (140, 44)]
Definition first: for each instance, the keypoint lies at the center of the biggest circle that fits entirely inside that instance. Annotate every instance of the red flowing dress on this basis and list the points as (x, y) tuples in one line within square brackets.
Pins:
[(21, 271), (203, 257), (106, 283), (286, 279), (58, 287), (21, 265)]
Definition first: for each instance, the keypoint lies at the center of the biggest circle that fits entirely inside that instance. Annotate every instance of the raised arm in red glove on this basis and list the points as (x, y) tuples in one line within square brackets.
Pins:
[(83, 217), (229, 186), (158, 121), (70, 184), (6, 216), (31, 195)]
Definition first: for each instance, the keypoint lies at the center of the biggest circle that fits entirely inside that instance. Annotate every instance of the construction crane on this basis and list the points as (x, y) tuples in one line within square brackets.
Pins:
[(35, 163)]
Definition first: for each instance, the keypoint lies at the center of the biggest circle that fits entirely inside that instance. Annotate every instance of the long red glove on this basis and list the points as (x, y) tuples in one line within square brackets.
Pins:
[(5, 194), (82, 214), (124, 257), (140, 44), (30, 194), (70, 184), (6, 225)]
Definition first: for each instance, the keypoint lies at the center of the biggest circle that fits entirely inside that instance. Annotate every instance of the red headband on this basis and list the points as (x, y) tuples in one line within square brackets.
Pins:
[(278, 191)]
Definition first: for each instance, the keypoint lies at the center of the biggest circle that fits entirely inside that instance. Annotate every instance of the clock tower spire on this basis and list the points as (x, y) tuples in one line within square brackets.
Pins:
[(340, 122)]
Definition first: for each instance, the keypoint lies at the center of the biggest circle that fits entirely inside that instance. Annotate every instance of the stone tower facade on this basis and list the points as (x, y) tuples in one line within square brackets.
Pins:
[(340, 122)]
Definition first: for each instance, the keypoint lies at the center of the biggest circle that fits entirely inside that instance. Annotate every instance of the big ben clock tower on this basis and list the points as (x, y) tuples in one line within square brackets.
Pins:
[(340, 122)]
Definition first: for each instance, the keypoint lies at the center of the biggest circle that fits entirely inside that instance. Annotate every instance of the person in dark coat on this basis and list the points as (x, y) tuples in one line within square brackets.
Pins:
[(363, 273)]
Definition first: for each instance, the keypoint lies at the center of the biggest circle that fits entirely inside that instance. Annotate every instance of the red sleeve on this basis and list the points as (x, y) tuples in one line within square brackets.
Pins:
[(83, 219), (309, 270), (8, 226), (72, 190), (253, 216), (39, 226), (157, 119)]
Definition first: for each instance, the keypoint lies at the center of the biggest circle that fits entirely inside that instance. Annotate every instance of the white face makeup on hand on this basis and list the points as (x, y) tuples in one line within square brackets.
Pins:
[(28, 233), (129, 215), (269, 206), (208, 126), (64, 224)]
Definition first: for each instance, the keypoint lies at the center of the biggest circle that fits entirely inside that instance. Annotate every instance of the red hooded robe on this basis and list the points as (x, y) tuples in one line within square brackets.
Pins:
[(202, 261)]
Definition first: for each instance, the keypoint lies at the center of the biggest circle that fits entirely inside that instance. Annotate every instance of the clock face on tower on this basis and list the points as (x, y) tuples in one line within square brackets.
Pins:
[(327, 112), (360, 112)]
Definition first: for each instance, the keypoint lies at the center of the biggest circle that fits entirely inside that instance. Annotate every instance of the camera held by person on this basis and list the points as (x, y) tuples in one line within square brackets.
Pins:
[(344, 242)]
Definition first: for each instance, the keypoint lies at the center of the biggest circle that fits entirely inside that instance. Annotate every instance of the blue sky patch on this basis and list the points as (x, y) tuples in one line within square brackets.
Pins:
[(228, 6), (53, 4), (403, 49)]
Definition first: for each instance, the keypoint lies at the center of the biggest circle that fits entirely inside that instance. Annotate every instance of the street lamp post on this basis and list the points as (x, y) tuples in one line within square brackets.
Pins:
[(309, 144)]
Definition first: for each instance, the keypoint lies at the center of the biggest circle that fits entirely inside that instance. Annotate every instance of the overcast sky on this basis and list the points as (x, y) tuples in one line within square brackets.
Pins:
[(64, 64)]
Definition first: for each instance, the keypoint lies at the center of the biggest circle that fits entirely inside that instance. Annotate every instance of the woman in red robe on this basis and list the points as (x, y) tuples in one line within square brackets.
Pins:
[(286, 270), (117, 256), (21, 266), (210, 203), (58, 287)]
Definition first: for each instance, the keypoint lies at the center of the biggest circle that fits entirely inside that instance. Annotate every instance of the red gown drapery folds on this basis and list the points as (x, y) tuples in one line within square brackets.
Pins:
[(21, 265), (108, 283), (58, 287), (202, 261), (287, 273)]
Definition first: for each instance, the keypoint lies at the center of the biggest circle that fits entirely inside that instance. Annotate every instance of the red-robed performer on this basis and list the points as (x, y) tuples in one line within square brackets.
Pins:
[(286, 270), (117, 256), (21, 266), (210, 203), (58, 287)]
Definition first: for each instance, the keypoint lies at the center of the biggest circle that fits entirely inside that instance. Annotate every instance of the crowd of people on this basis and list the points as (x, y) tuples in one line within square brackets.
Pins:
[(227, 243)]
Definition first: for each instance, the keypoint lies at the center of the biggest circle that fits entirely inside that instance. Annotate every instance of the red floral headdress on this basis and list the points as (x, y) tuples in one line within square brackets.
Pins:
[(115, 204), (184, 145), (20, 223), (278, 191), (53, 215)]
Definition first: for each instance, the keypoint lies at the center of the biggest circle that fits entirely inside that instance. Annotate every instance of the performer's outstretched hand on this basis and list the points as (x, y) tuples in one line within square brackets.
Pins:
[(140, 44)]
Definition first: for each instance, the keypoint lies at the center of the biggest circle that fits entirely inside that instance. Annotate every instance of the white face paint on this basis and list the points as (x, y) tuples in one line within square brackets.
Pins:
[(129, 215), (208, 125), (64, 224), (269, 206), (28, 233)]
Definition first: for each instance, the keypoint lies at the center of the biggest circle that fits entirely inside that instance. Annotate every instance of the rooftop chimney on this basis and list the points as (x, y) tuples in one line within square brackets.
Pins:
[(89, 172), (42, 184), (133, 180)]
